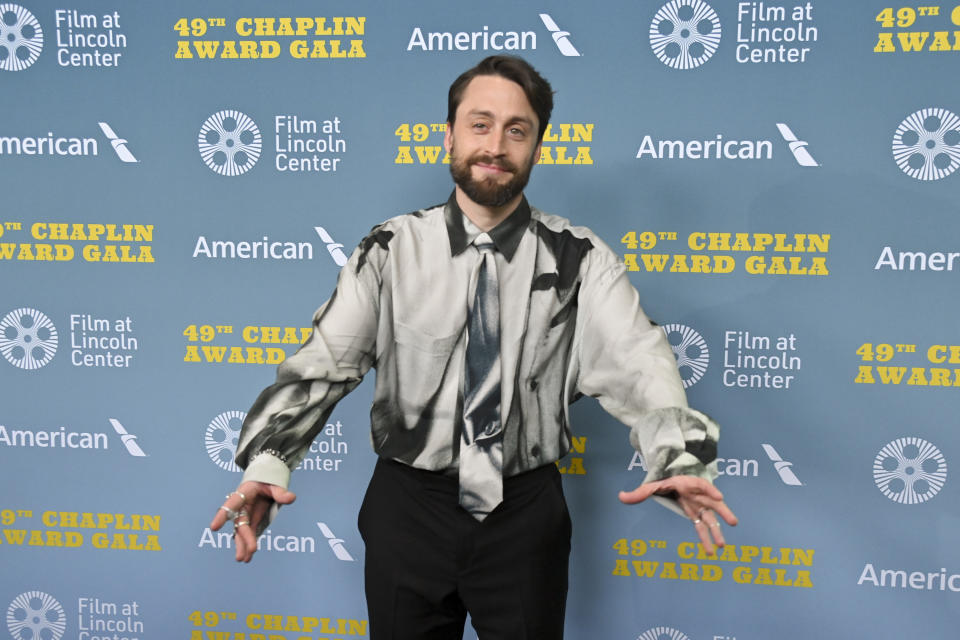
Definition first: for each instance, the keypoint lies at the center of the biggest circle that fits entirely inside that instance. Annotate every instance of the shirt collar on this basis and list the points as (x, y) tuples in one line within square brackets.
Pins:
[(506, 235)]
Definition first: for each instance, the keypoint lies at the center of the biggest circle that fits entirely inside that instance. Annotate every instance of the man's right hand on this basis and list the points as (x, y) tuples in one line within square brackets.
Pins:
[(250, 502)]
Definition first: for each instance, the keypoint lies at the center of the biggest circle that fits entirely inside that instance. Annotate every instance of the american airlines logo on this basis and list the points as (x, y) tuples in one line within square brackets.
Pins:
[(560, 38), (335, 249), (118, 143), (336, 544), (722, 147), (782, 467), (128, 439), (490, 38), (797, 147)]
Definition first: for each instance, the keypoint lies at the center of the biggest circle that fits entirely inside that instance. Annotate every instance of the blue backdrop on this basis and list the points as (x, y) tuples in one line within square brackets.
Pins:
[(181, 183)]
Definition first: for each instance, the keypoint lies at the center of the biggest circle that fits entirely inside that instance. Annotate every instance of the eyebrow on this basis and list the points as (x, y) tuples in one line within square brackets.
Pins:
[(510, 120)]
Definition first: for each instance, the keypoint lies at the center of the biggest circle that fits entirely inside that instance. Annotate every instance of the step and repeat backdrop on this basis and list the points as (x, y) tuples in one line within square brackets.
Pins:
[(181, 182)]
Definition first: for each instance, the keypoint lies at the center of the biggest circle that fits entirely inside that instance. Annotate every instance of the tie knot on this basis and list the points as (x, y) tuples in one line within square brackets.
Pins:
[(484, 243)]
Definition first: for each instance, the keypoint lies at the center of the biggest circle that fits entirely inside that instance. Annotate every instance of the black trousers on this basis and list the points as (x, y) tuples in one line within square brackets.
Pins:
[(429, 562)]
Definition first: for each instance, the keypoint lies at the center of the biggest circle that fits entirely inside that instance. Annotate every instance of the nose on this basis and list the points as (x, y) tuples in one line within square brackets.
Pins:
[(495, 142)]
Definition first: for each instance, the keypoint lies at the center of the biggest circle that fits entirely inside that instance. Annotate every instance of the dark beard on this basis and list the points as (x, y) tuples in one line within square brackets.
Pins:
[(488, 192)]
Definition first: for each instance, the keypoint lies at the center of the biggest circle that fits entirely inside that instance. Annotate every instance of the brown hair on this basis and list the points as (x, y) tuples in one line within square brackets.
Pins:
[(535, 87)]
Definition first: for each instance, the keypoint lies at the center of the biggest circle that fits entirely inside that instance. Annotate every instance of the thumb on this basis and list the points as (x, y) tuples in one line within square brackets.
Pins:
[(281, 495), (639, 494)]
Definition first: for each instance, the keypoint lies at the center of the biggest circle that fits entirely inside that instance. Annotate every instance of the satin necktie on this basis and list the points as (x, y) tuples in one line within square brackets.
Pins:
[(481, 442)]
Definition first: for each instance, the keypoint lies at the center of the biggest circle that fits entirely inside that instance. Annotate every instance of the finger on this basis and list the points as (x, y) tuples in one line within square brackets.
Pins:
[(713, 527), (245, 538), (257, 512), (724, 512), (695, 512), (639, 494), (281, 495), (234, 502)]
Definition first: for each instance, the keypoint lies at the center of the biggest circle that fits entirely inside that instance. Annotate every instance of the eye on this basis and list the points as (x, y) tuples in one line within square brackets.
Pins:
[(479, 125), (517, 132)]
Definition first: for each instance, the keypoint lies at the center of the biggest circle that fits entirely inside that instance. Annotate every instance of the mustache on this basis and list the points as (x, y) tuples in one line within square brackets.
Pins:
[(485, 158)]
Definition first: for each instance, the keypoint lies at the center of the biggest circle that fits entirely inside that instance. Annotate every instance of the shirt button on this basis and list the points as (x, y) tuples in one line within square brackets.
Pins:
[(535, 451), (533, 384)]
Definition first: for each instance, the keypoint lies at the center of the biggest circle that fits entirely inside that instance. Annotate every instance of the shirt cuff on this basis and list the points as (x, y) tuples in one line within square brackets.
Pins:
[(267, 468), (676, 441)]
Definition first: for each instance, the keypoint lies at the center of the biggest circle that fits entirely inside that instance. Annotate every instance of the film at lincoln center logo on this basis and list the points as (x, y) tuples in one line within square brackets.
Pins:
[(926, 145), (230, 142), (21, 38), (221, 439), (691, 352), (685, 33), (28, 338), (663, 633), (34, 615), (909, 470)]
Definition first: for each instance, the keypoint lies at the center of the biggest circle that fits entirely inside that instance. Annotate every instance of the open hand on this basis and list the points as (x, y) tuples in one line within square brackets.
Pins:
[(699, 499), (247, 506)]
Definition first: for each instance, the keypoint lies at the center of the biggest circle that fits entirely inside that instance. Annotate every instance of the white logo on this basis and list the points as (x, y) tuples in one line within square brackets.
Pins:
[(909, 470), (28, 338), (926, 145), (335, 543), (335, 248), (221, 438), (797, 147), (230, 142), (128, 439), (560, 38), (119, 144), (782, 466), (33, 615), (663, 633), (21, 38), (691, 352), (685, 33)]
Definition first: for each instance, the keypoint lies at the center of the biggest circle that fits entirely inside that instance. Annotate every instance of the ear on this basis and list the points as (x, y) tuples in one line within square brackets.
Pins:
[(536, 153), (448, 138)]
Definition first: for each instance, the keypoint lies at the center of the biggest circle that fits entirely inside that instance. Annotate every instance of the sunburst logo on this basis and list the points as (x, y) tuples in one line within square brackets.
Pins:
[(230, 142), (926, 145), (21, 38), (909, 470), (34, 615), (28, 338), (685, 33), (663, 633), (691, 352), (221, 439)]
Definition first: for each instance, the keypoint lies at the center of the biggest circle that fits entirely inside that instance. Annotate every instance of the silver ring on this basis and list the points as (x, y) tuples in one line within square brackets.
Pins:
[(697, 521), (231, 514), (700, 513), (715, 524), (240, 523), (239, 493)]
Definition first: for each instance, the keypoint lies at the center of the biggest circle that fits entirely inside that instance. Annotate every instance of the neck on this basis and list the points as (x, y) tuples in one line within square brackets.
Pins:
[(486, 218)]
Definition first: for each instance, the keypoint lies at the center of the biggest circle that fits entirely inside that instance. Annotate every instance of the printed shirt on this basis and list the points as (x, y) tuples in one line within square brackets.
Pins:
[(571, 324)]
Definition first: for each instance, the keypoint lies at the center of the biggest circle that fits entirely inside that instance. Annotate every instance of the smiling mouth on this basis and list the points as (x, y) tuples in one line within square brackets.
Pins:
[(493, 167)]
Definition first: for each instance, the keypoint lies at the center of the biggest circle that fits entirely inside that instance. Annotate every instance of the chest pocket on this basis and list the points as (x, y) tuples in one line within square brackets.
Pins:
[(425, 365)]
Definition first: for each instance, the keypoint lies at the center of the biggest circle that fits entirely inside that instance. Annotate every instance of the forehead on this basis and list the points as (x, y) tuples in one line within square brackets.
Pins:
[(497, 95)]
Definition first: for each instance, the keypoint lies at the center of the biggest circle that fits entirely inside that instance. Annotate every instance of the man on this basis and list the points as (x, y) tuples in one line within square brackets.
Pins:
[(484, 318)]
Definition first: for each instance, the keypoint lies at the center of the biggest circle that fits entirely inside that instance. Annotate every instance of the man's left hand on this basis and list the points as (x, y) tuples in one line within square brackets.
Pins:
[(700, 500)]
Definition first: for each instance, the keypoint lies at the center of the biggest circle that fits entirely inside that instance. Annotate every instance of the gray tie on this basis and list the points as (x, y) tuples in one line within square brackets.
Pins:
[(481, 443)]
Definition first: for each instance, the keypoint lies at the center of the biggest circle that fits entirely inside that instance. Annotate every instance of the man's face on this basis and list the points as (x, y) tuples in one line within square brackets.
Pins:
[(493, 143)]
